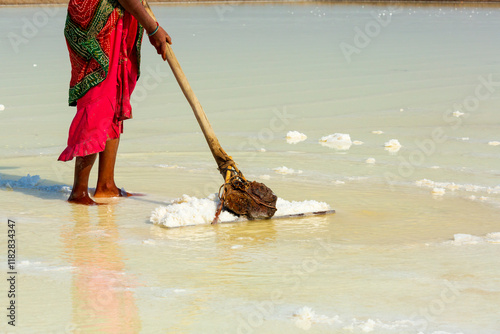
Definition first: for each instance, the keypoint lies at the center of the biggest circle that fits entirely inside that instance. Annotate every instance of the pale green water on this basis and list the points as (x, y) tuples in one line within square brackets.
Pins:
[(260, 71)]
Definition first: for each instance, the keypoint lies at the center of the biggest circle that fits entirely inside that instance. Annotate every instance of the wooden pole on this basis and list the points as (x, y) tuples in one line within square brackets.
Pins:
[(222, 159)]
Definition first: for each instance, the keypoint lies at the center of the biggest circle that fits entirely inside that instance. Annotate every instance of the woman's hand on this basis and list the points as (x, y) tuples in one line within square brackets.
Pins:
[(159, 40)]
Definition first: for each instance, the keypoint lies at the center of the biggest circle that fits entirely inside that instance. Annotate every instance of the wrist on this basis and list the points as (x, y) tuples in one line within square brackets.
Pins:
[(154, 31)]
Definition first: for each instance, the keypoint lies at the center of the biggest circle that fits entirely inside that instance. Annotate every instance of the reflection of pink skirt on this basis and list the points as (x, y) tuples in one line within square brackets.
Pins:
[(101, 111)]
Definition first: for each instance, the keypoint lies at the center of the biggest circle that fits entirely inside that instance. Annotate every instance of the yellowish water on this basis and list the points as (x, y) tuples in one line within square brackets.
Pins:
[(386, 262)]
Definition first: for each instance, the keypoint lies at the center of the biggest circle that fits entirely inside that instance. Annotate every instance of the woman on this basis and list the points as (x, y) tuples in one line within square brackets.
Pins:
[(104, 40)]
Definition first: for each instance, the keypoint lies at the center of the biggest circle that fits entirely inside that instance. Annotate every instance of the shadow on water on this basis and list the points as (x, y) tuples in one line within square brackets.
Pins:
[(43, 189), (47, 189)]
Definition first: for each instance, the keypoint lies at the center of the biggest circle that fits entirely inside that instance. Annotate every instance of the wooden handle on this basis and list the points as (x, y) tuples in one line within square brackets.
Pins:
[(221, 157), (223, 160)]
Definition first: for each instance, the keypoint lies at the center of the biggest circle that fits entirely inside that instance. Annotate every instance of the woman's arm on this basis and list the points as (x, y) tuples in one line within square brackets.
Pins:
[(160, 37)]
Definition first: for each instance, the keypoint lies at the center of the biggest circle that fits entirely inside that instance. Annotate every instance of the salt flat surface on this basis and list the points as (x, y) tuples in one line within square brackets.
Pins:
[(413, 247)]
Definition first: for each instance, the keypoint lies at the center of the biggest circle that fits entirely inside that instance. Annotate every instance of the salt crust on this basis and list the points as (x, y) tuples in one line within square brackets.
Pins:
[(392, 145), (170, 166), (294, 137), (377, 132), (468, 239), (426, 183), (187, 210), (338, 141), (306, 317), (494, 143), (286, 171), (438, 191)]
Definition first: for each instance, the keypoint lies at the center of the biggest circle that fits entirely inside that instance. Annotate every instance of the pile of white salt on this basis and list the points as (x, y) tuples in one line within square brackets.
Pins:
[(187, 211)]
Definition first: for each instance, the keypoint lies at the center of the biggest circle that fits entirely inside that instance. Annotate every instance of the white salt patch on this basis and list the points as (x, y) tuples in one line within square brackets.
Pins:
[(2, 107), (288, 208), (494, 143), (370, 324), (265, 177), (465, 138), (35, 65), (170, 166), (306, 317), (377, 132), (294, 137), (460, 239), (493, 237), (338, 141), (262, 150), (458, 113), (149, 242), (466, 239), (438, 191), (392, 146), (286, 171), (401, 109), (187, 210), (370, 160), (434, 167), (357, 142), (236, 246), (453, 186), (337, 182)]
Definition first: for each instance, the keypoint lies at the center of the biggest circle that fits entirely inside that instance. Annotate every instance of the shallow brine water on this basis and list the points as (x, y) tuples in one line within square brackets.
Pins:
[(396, 110)]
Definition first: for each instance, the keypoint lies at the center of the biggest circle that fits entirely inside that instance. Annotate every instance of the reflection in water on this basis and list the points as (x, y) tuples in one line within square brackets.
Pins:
[(102, 298)]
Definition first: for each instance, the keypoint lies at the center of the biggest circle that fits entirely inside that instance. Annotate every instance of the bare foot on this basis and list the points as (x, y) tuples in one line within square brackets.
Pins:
[(124, 193), (85, 200), (113, 191)]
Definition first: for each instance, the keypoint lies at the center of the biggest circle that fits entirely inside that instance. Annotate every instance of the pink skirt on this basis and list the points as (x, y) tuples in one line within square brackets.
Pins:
[(102, 110)]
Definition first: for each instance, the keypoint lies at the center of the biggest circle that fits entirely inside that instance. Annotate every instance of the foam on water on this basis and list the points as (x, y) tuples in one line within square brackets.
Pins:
[(187, 211)]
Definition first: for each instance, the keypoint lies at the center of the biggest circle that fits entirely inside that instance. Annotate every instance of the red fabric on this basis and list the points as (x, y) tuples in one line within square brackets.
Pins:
[(101, 111), (83, 12)]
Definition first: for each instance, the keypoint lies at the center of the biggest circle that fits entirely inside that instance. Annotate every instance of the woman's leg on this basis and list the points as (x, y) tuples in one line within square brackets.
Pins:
[(80, 192), (106, 186)]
